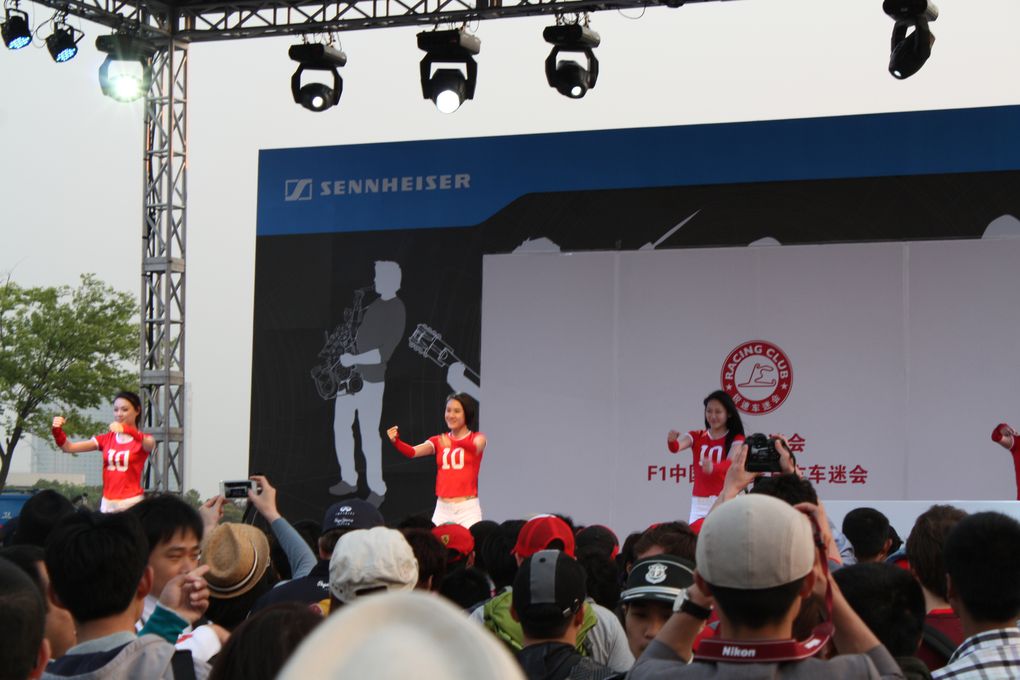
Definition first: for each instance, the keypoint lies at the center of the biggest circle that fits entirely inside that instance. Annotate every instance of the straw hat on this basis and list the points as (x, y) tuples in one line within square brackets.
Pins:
[(238, 556)]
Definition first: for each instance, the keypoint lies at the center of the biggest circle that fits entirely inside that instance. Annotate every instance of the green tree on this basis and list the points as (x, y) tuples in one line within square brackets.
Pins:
[(63, 351)]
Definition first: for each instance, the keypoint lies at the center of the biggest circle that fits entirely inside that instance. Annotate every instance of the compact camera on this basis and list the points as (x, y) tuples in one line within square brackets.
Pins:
[(237, 489), (762, 455)]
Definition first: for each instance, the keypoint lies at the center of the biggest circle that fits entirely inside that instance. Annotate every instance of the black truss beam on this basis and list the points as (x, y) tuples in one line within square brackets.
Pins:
[(214, 21)]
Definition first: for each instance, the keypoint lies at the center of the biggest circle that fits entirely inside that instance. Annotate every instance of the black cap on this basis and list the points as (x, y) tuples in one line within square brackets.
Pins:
[(352, 514), (661, 578), (549, 587)]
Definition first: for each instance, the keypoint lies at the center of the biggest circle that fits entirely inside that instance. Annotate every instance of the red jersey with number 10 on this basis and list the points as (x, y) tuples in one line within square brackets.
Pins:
[(457, 464), (123, 460), (703, 447)]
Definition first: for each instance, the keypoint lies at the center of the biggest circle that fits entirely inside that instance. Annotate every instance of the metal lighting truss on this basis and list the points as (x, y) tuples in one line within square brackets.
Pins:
[(164, 245), (202, 21), (171, 26)]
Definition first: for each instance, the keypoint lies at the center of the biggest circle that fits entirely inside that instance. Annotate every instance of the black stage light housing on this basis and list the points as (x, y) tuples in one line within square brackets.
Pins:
[(909, 52), (62, 44), (448, 87), (912, 38), (569, 77), (317, 57), (123, 49), (16, 29), (910, 9)]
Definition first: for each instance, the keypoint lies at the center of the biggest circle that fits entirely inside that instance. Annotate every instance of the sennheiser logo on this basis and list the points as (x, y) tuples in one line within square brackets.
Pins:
[(297, 190)]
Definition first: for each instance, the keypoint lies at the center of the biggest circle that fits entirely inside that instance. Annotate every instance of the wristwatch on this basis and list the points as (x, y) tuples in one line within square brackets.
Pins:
[(684, 604)]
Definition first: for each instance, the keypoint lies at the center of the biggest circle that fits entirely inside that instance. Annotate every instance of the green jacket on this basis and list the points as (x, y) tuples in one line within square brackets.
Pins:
[(496, 615)]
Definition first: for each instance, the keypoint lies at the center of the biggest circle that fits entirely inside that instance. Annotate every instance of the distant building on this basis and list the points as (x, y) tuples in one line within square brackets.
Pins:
[(46, 458)]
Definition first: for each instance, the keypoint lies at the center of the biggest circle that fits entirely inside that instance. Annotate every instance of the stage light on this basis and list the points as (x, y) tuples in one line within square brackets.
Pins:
[(126, 73), (569, 77), (62, 44), (448, 87), (910, 48), (317, 57), (15, 29)]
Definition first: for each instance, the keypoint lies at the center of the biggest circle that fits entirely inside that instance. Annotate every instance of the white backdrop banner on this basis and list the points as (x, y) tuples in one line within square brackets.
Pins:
[(887, 364)]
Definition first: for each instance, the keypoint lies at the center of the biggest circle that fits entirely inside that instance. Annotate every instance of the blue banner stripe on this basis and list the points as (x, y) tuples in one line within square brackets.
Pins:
[(462, 182)]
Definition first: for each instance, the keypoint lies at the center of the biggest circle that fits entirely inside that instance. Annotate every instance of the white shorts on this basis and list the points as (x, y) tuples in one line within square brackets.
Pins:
[(464, 513), (107, 505), (700, 505)]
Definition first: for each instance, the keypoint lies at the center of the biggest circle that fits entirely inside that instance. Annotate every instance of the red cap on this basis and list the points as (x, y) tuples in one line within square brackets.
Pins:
[(455, 537), (539, 532)]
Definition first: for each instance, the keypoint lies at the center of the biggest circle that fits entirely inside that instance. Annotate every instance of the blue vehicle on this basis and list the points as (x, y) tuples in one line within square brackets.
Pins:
[(11, 502)]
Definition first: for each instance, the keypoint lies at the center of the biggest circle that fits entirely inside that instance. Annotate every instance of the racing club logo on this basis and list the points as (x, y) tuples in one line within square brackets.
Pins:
[(758, 376)]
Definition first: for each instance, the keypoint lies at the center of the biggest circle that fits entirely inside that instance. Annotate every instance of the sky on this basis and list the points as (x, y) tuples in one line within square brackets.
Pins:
[(71, 175)]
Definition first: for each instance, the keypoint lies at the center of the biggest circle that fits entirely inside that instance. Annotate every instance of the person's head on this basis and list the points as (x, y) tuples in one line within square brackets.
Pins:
[(548, 595), (60, 632), (755, 557), (98, 565), (387, 278), (461, 411), (127, 408), (669, 538), (497, 552), (24, 651), (173, 532), (721, 412), (983, 567), (602, 576), (888, 600), (926, 543), (788, 487), (544, 532), (466, 587), (599, 538), (400, 635), (867, 529), (367, 561), (647, 599), (458, 542), (239, 573), (431, 556), (260, 646), (343, 517), (39, 515)]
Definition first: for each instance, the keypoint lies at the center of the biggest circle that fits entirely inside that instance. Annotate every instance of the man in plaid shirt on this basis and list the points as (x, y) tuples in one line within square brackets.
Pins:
[(982, 557)]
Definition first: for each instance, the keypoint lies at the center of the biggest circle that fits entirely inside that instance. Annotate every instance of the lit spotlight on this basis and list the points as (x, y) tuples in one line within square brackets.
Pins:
[(126, 73), (62, 44), (317, 57), (569, 77), (910, 50), (16, 31), (448, 87)]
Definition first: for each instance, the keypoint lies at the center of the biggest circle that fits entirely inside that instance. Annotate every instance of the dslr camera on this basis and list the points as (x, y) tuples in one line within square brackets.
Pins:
[(762, 455)]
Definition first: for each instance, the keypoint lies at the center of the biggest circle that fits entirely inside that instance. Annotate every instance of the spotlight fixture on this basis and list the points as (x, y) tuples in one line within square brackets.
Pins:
[(16, 31), (448, 87), (62, 44), (910, 51), (568, 76), (126, 73), (317, 57)]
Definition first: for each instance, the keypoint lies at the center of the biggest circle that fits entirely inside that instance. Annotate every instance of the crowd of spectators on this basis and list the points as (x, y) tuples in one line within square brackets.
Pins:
[(765, 587)]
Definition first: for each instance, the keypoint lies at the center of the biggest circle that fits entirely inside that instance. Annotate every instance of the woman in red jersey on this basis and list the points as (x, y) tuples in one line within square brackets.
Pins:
[(713, 449), (458, 455), (124, 448)]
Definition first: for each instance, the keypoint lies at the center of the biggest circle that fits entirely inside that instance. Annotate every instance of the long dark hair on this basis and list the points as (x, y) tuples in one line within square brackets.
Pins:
[(734, 425), (135, 401)]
